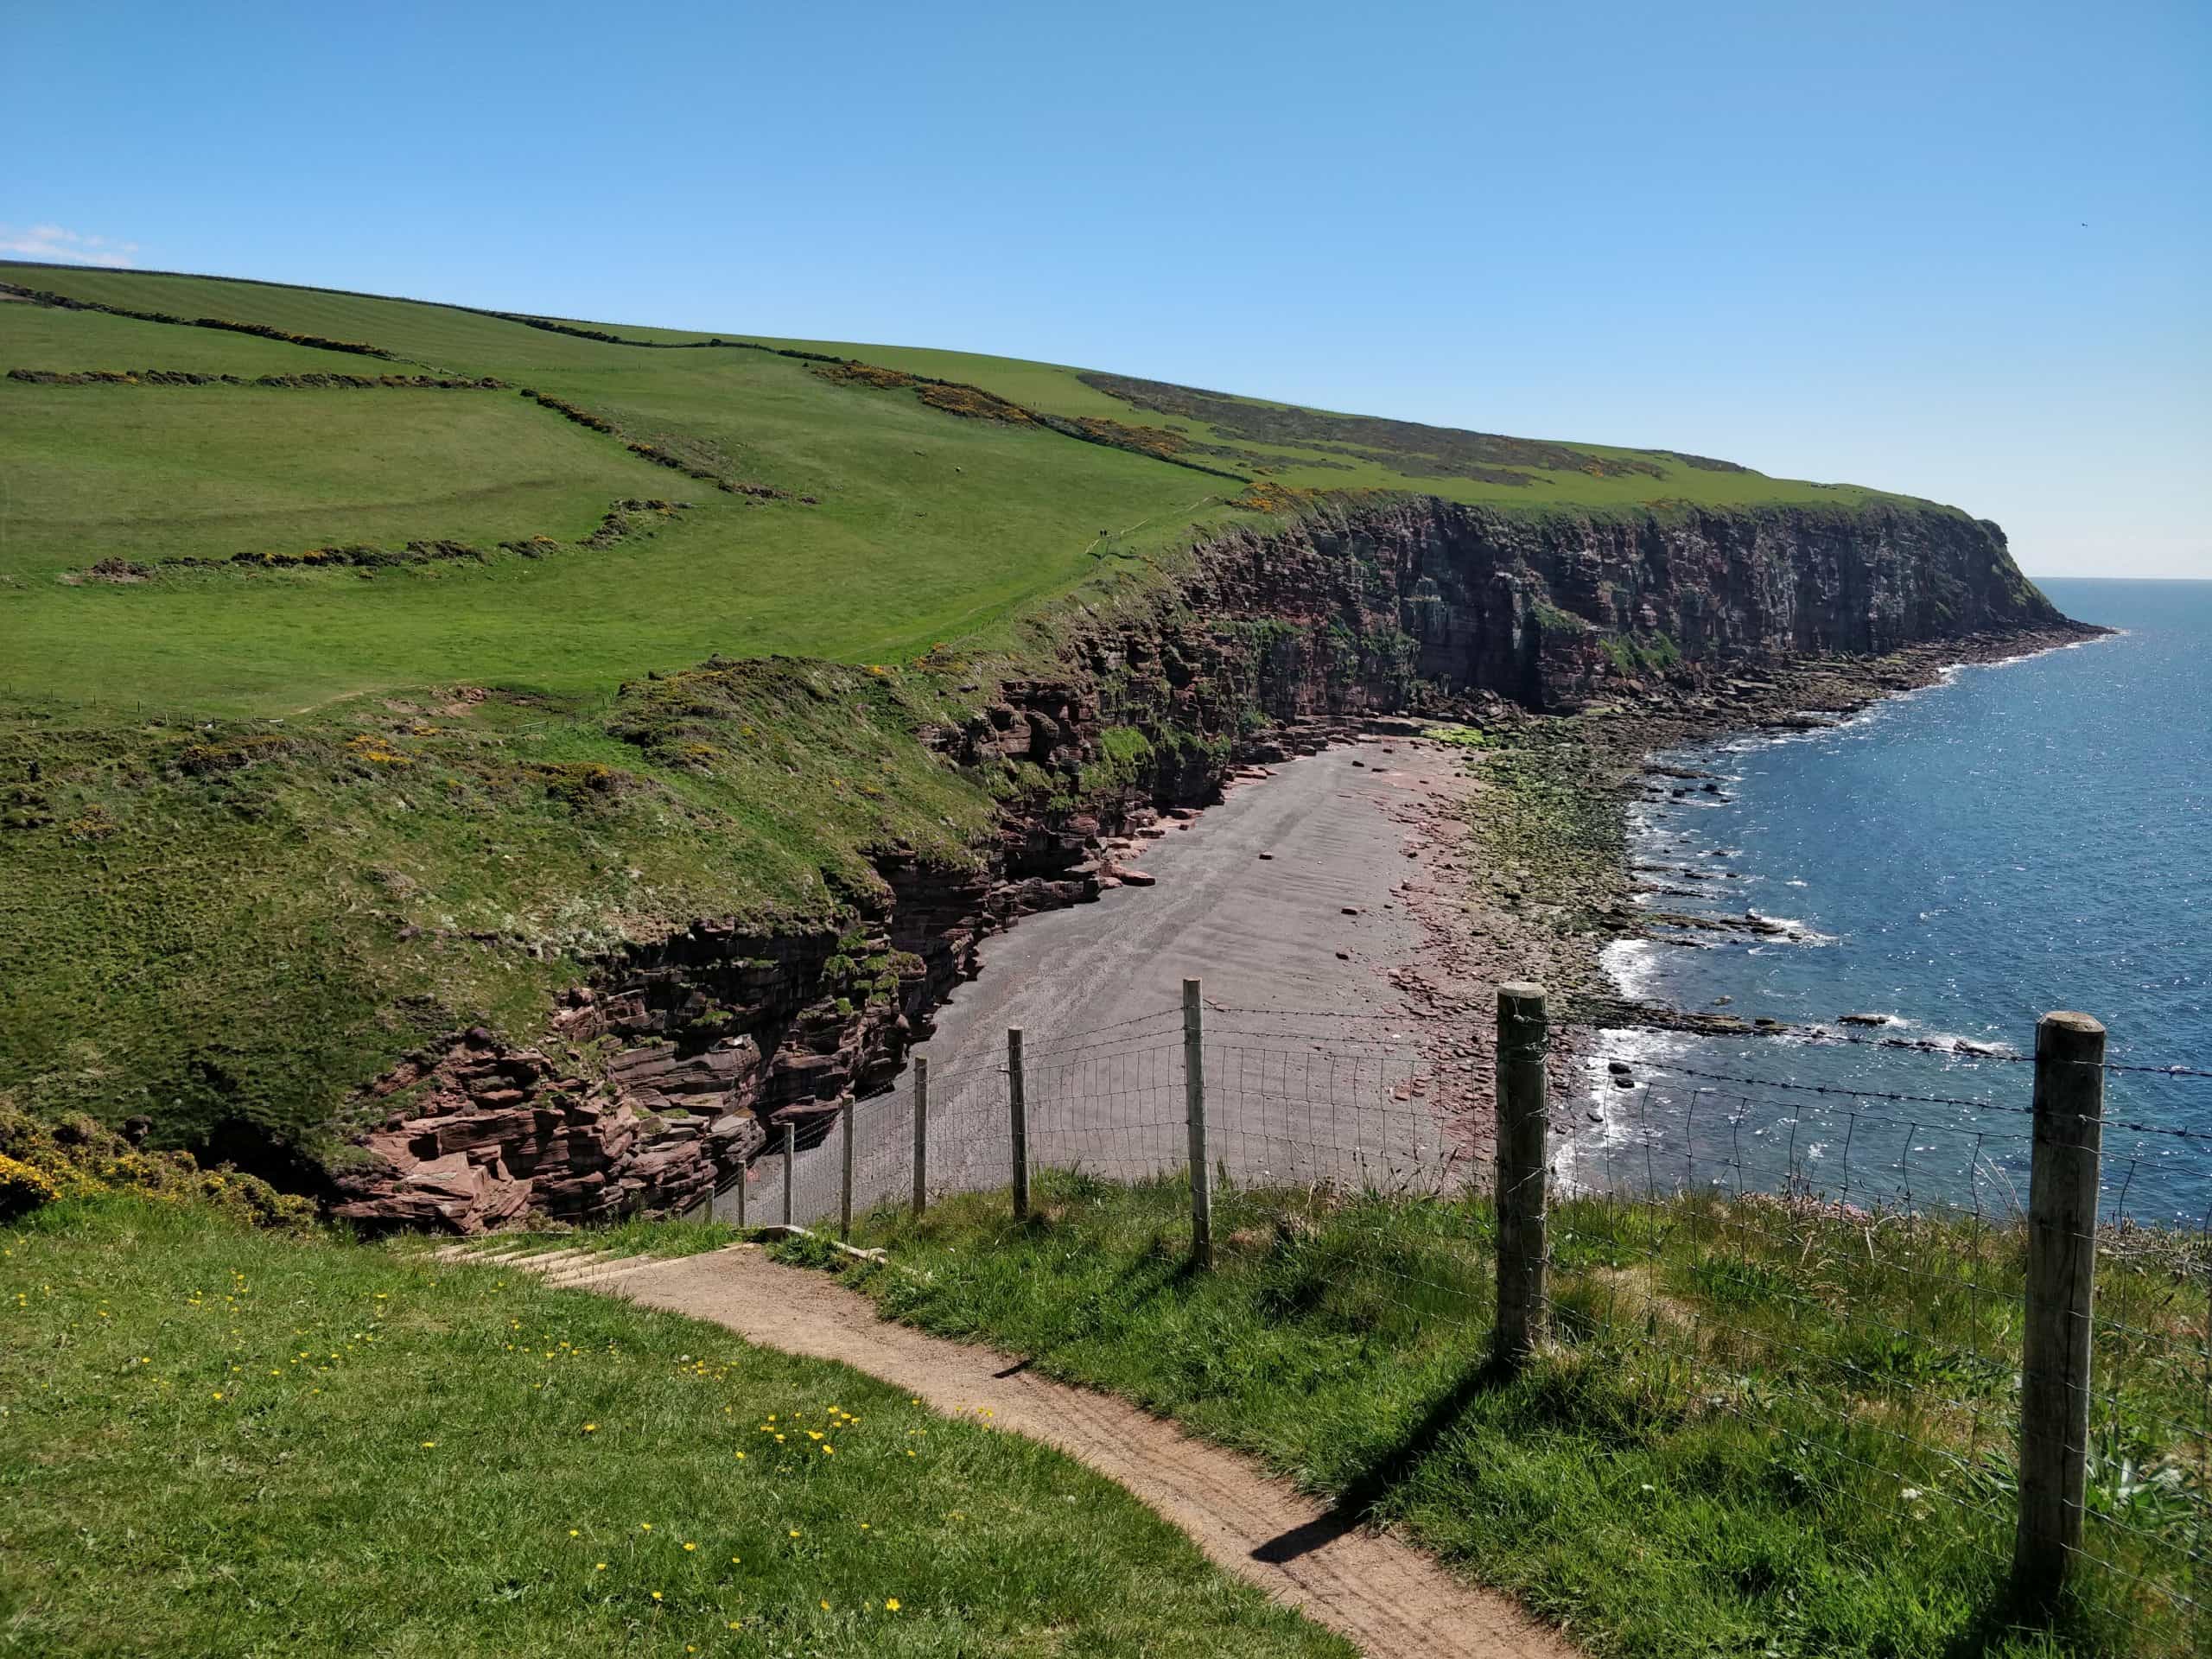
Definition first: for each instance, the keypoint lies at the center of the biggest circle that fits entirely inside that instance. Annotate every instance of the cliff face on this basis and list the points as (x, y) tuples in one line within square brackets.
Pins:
[(685, 1056), (1550, 613)]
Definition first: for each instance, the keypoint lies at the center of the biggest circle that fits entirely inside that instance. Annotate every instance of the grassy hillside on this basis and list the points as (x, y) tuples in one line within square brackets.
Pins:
[(321, 696), (924, 525), (224, 1442)]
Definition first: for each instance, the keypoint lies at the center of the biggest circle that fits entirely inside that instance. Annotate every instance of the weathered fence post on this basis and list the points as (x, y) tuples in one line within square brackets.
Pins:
[(1194, 1104), (921, 1137), (744, 1181), (791, 1158), (845, 1177), (1018, 1115), (1523, 1033), (2069, 1104)]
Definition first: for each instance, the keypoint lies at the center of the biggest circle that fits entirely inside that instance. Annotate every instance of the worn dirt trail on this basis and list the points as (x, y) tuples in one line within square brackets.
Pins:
[(1387, 1598)]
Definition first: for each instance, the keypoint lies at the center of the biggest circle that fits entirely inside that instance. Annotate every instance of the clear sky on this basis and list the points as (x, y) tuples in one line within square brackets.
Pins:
[(1961, 250)]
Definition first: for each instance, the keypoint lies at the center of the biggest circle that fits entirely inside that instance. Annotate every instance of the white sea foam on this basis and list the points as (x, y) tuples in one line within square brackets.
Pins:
[(1631, 964)]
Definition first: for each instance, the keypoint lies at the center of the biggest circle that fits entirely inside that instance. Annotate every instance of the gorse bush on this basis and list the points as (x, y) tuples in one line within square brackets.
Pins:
[(41, 1163)]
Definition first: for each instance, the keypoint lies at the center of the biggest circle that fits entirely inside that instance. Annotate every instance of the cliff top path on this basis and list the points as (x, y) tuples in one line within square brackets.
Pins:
[(1389, 1599)]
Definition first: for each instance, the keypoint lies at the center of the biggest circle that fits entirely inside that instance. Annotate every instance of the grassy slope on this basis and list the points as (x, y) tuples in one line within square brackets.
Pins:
[(230, 903), (928, 526), (1719, 1457), (220, 1442), (207, 923)]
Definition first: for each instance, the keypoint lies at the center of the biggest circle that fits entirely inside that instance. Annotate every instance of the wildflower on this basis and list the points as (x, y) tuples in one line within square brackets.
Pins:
[(689, 1546), (825, 1607), (794, 1532), (829, 1451), (645, 1526), (656, 1595), (591, 1428), (891, 1605), (573, 1533), (740, 1456), (599, 1566)]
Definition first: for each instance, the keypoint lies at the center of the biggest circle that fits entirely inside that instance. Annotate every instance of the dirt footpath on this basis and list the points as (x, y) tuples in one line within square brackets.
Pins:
[(1387, 1598)]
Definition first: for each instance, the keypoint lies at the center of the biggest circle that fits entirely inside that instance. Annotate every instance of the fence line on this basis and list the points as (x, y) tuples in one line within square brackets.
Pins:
[(1961, 1278)]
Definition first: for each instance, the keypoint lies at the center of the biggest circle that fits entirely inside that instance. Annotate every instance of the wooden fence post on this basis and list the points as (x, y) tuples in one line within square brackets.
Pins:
[(1194, 1104), (921, 1137), (1524, 1034), (845, 1177), (744, 1181), (1018, 1115), (2070, 1103), (791, 1158)]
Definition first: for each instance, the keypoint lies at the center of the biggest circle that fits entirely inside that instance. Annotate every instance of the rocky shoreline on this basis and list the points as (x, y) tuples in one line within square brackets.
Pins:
[(1507, 917)]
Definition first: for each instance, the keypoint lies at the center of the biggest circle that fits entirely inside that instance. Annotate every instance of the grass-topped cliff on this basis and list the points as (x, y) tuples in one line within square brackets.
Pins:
[(351, 649), (930, 520)]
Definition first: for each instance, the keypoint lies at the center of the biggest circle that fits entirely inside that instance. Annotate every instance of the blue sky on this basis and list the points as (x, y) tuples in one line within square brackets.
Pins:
[(1963, 251)]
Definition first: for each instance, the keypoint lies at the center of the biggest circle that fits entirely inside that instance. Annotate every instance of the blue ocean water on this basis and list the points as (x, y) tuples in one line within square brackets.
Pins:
[(2027, 836)]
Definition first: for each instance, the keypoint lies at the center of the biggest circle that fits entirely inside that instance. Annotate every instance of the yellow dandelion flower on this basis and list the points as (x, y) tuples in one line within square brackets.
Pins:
[(740, 1456), (591, 1428), (829, 1451), (794, 1532), (573, 1533), (656, 1595), (599, 1566), (427, 1445), (891, 1605), (645, 1526), (690, 1546), (825, 1607)]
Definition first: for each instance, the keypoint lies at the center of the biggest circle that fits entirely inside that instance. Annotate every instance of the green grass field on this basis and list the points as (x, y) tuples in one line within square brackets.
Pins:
[(224, 1442), (1727, 1449)]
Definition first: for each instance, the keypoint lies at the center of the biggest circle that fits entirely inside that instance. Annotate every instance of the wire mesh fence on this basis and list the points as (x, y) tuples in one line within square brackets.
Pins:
[(1873, 1274)]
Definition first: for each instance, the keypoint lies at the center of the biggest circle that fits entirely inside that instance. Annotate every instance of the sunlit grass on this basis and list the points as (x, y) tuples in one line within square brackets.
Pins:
[(214, 1441), (1759, 1427)]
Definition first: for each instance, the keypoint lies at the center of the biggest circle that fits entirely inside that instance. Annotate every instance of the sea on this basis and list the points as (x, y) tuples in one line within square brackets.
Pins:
[(1956, 861)]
